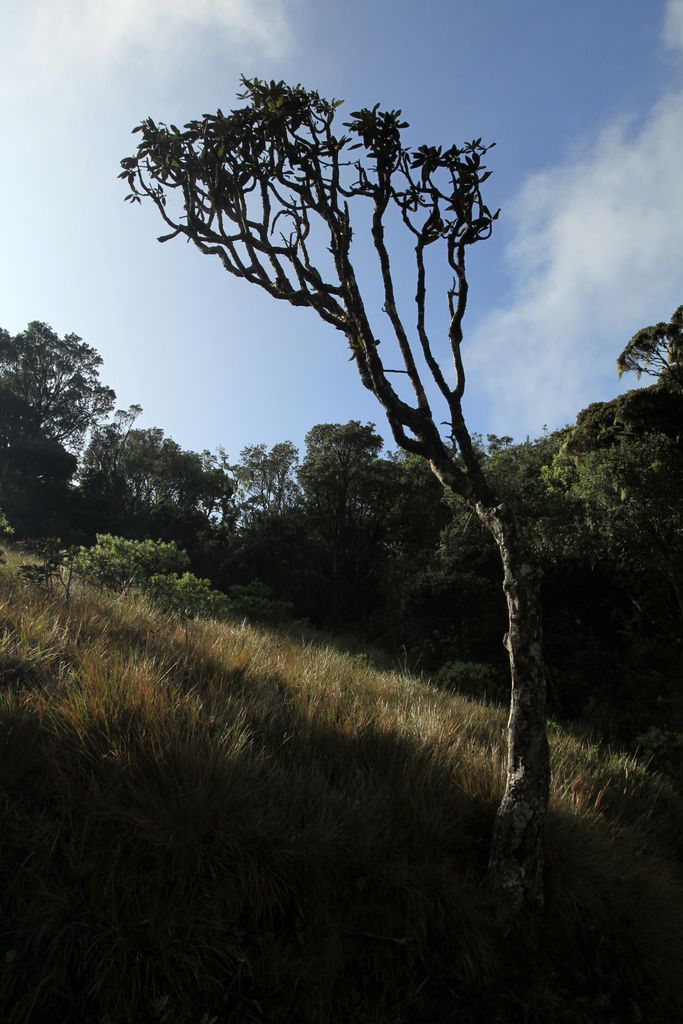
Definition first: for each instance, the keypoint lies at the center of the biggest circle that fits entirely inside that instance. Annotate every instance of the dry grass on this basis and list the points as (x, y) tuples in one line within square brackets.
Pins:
[(242, 827)]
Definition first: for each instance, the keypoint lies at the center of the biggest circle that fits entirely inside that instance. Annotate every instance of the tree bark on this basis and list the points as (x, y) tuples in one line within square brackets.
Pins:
[(517, 850)]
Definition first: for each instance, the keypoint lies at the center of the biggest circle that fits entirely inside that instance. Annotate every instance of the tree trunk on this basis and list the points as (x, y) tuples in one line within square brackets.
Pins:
[(517, 850)]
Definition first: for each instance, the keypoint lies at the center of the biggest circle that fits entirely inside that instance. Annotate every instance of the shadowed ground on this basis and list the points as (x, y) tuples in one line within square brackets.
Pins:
[(240, 827)]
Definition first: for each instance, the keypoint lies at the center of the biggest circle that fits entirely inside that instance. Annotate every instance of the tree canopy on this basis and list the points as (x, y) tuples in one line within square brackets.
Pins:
[(55, 381), (656, 351), (50, 397)]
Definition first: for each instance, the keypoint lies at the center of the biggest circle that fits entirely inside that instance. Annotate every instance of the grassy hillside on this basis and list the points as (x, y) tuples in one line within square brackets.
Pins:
[(234, 826)]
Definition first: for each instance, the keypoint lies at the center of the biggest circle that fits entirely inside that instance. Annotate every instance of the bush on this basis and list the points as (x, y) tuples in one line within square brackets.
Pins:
[(54, 567), (187, 596), (120, 564), (257, 602)]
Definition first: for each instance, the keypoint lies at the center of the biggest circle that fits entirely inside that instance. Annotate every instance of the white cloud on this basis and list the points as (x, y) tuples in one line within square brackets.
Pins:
[(53, 35), (673, 24), (597, 252)]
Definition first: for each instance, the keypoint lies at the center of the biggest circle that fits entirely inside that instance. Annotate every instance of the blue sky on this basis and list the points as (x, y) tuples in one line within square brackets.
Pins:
[(584, 101)]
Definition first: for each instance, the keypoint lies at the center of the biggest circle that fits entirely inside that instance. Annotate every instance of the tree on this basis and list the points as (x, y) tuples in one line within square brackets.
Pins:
[(260, 187), (50, 396), (35, 472), (624, 462), (656, 351), (629, 475), (349, 491), (57, 379), (141, 483), (100, 476), (267, 487), (269, 536)]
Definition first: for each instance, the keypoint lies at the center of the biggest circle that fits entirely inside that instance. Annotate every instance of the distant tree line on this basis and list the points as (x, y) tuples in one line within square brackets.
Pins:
[(358, 540)]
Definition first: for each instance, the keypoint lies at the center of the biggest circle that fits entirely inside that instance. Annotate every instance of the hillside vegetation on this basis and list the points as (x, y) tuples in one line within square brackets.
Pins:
[(361, 540), (209, 822)]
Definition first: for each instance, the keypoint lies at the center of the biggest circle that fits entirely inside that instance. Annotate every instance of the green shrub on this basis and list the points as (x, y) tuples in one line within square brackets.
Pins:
[(52, 568), (187, 596), (117, 563)]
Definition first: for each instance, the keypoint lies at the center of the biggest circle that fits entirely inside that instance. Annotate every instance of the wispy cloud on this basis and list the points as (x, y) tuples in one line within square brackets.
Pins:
[(673, 24), (597, 251), (51, 36)]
